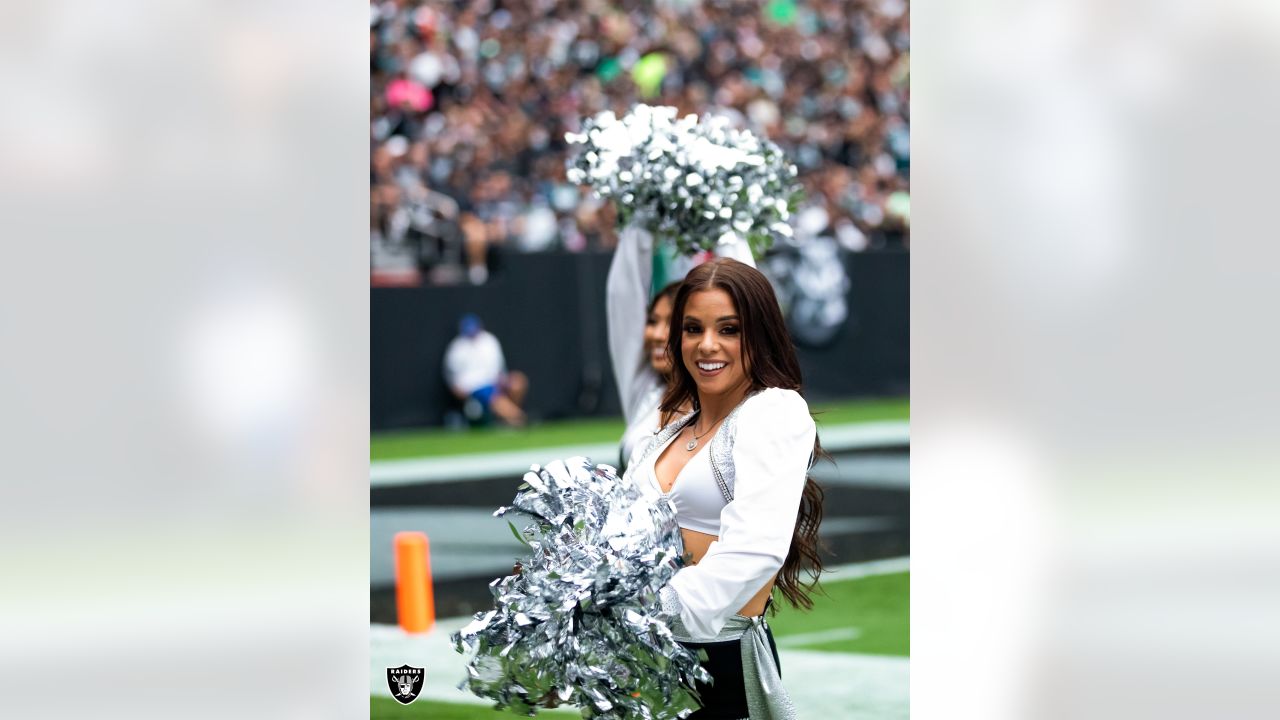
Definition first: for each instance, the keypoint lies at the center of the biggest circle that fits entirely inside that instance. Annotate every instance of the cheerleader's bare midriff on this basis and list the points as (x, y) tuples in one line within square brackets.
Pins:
[(695, 546)]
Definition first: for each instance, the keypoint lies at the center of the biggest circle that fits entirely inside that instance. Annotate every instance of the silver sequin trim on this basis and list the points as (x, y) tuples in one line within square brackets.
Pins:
[(722, 453)]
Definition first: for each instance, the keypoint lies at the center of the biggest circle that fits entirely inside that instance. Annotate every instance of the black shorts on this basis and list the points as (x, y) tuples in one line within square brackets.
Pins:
[(726, 698)]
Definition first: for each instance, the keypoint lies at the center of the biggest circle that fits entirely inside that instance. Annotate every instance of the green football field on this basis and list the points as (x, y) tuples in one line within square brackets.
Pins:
[(868, 616), (434, 442)]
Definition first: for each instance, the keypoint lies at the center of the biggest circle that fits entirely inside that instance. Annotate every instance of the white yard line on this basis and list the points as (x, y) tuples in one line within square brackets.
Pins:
[(862, 435), (389, 473), (416, 471), (818, 637), (852, 571)]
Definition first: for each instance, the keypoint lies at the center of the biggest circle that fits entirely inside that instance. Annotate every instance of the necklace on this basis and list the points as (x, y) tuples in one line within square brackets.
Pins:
[(692, 444)]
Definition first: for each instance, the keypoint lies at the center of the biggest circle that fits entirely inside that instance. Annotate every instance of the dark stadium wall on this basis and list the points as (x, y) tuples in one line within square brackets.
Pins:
[(549, 316), (870, 356)]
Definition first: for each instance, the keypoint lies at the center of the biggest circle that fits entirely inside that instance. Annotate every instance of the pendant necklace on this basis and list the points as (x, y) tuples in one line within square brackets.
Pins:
[(694, 442)]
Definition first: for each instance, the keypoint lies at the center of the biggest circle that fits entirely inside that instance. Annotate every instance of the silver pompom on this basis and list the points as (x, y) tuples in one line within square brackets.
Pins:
[(582, 623), (678, 178)]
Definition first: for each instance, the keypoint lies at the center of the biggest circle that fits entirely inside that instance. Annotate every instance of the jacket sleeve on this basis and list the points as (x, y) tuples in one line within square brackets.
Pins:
[(626, 299), (771, 458)]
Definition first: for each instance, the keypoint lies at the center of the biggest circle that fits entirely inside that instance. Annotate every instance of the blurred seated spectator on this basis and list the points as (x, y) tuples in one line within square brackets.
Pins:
[(476, 372)]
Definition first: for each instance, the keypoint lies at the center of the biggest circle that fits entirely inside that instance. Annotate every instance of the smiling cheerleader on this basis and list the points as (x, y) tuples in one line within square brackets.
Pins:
[(736, 467)]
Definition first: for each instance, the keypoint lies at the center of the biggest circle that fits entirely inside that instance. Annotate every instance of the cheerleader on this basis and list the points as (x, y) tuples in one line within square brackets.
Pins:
[(736, 467), (638, 329)]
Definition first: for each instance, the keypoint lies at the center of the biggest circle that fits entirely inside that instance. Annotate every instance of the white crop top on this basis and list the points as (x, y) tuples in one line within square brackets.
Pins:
[(697, 497)]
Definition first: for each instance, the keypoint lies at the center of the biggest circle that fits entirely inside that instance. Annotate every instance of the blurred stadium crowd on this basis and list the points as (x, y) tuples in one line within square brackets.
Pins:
[(470, 101)]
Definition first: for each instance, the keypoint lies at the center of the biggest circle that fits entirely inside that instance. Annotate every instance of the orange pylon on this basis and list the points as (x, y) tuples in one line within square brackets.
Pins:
[(415, 601)]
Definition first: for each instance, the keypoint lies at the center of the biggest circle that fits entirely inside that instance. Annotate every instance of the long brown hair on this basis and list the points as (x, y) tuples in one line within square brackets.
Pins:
[(771, 362)]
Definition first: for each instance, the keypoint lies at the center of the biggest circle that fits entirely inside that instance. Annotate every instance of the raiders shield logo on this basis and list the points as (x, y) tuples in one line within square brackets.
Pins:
[(405, 683)]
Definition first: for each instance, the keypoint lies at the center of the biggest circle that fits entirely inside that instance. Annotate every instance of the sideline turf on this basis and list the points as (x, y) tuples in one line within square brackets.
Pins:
[(878, 606), (435, 442)]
